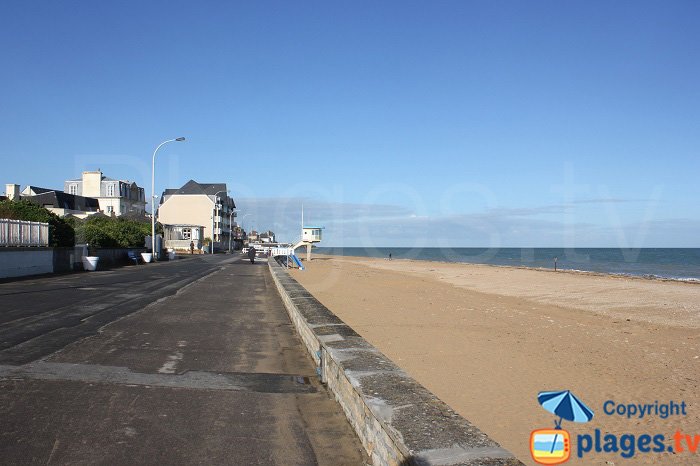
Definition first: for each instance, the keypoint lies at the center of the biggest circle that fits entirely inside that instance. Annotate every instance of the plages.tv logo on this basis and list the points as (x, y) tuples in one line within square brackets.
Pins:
[(553, 446)]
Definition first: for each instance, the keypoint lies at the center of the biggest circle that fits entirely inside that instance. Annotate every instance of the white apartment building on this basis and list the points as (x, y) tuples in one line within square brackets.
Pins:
[(118, 197)]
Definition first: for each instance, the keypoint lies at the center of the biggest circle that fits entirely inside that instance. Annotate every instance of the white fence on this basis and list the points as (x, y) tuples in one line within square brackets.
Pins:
[(261, 248), (22, 233)]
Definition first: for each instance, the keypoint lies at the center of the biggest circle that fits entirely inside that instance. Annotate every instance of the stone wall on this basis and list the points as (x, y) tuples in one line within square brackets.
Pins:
[(116, 257), (398, 420), (68, 259)]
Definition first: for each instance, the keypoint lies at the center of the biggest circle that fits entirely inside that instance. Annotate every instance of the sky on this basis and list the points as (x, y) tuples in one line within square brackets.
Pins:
[(395, 123)]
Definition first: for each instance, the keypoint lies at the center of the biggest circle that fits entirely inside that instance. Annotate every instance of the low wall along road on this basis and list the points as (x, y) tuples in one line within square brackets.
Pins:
[(25, 261), (398, 421)]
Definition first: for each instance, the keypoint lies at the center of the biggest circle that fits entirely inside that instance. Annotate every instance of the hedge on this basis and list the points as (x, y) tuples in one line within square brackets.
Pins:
[(61, 232)]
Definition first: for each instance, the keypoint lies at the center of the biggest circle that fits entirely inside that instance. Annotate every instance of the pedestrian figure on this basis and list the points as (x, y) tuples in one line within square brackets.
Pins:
[(191, 247), (555, 263), (251, 254), (389, 256)]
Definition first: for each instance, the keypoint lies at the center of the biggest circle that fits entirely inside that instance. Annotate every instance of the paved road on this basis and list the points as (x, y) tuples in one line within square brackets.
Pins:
[(185, 362), (41, 316)]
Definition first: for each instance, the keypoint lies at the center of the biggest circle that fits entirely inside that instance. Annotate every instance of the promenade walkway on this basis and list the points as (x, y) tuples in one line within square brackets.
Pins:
[(214, 374)]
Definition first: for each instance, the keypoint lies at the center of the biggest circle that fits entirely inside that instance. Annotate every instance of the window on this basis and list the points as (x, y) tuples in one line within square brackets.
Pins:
[(110, 190), (186, 233), (110, 209), (73, 189)]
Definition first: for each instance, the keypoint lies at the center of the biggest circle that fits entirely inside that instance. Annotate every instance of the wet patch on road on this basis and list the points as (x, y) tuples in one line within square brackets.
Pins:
[(202, 380), (171, 363)]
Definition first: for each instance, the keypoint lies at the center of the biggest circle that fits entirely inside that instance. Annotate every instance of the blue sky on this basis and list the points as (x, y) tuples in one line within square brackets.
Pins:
[(452, 123)]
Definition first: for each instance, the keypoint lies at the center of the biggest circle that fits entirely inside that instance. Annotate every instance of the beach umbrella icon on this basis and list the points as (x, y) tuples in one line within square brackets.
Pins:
[(565, 405)]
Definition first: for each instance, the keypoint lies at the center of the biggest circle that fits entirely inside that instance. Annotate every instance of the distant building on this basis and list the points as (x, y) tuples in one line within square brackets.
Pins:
[(239, 233), (115, 197), (61, 203), (58, 202), (205, 204), (267, 237), (12, 192)]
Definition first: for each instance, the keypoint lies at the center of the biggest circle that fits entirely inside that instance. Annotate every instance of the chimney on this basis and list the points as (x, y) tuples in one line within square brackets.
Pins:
[(12, 191), (92, 184)]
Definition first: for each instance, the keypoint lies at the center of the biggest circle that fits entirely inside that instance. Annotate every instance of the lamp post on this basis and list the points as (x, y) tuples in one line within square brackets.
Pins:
[(240, 222), (230, 230), (213, 216), (153, 194), (242, 218)]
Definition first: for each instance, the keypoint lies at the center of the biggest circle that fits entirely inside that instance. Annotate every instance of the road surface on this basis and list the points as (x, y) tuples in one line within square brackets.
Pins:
[(186, 362)]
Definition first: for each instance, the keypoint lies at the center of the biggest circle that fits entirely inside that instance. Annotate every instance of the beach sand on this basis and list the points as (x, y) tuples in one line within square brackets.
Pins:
[(487, 339)]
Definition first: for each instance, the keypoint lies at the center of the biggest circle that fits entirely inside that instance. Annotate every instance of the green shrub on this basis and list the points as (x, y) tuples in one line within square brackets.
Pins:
[(107, 232), (61, 232)]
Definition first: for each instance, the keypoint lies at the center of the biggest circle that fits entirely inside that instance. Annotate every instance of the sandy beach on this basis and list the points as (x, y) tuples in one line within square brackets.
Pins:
[(487, 339)]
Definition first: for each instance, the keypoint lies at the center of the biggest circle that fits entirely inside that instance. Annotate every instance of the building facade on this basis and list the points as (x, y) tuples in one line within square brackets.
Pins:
[(267, 237), (182, 237), (115, 197), (253, 236), (204, 204)]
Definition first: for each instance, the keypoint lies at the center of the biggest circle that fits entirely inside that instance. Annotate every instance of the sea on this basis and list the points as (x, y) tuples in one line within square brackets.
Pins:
[(654, 263)]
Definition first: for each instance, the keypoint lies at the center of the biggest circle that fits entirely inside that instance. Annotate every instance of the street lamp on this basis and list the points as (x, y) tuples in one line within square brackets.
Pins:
[(243, 218), (230, 229), (240, 222), (153, 194), (213, 215)]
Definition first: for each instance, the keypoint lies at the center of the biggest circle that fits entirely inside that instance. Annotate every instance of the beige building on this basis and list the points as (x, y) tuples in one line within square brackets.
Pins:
[(116, 197), (207, 205)]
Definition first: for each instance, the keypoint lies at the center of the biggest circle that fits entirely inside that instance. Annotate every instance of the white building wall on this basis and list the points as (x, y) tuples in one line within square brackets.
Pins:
[(91, 185), (18, 263)]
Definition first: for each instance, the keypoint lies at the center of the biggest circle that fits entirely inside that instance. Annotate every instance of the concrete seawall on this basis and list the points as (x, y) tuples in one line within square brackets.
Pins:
[(398, 421)]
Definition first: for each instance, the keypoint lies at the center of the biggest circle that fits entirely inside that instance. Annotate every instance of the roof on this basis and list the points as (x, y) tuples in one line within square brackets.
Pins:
[(102, 178), (192, 187), (38, 190), (62, 200), (186, 225)]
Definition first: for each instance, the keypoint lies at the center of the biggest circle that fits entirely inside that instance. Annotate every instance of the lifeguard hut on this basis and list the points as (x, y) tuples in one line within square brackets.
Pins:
[(309, 236)]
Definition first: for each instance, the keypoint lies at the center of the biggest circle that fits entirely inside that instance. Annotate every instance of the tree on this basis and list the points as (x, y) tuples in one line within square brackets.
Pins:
[(61, 232), (107, 232)]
